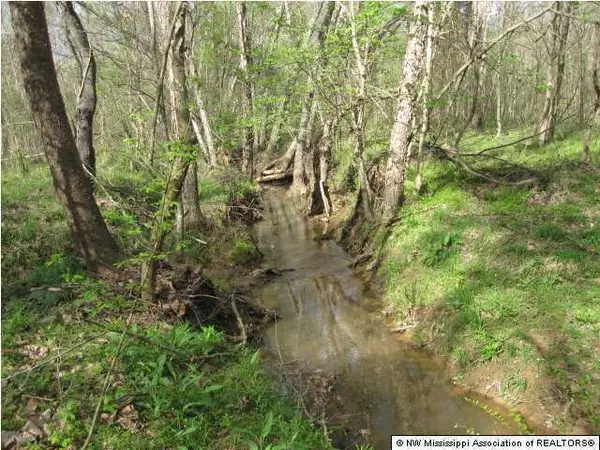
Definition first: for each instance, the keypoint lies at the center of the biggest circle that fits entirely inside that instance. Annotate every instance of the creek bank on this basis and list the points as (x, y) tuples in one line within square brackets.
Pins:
[(472, 276)]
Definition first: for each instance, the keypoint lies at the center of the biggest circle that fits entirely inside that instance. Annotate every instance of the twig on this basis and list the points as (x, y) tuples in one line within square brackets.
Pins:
[(85, 72), (243, 335)]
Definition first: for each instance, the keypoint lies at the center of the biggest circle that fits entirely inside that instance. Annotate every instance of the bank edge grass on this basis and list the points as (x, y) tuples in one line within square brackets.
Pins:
[(485, 269), (182, 395)]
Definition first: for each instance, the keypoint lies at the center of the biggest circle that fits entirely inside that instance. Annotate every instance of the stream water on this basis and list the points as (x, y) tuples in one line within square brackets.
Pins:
[(330, 322)]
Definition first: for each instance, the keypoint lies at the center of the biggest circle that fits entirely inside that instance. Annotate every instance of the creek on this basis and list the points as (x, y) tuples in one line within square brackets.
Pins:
[(330, 322)]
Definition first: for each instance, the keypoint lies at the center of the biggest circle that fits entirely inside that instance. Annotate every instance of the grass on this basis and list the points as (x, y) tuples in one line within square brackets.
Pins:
[(509, 274), (174, 386)]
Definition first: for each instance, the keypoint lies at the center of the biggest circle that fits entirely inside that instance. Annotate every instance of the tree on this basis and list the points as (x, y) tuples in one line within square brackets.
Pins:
[(594, 125), (300, 176), (70, 181), (86, 97), (249, 142), (555, 71), (189, 216), (183, 159), (399, 152)]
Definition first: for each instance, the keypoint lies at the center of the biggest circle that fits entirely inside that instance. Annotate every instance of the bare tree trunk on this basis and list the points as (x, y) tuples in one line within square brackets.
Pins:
[(556, 68), (426, 83), (358, 117), (318, 200), (498, 105), (179, 169), (478, 120), (198, 113), (189, 214), (73, 187), (160, 106), (274, 136), (245, 63), (299, 186), (324, 158), (399, 156), (86, 98), (593, 128)]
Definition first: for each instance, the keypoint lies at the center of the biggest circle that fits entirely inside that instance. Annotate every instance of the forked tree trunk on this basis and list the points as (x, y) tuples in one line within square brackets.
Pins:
[(189, 215), (179, 169), (70, 181), (86, 96), (399, 153), (317, 169), (299, 184)]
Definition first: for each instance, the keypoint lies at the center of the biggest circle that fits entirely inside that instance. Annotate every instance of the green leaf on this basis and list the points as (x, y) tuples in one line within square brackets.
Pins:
[(255, 357), (267, 427)]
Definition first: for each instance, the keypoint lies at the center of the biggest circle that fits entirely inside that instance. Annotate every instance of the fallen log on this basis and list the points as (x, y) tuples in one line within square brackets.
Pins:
[(278, 176)]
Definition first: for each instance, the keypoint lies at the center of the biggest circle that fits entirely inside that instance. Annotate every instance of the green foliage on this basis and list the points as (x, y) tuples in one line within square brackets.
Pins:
[(439, 247)]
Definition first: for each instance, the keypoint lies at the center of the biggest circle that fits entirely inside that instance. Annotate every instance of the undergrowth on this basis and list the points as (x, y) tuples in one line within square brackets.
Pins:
[(173, 386)]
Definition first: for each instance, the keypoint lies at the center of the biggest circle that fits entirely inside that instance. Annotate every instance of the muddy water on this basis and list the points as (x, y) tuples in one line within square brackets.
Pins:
[(328, 322)]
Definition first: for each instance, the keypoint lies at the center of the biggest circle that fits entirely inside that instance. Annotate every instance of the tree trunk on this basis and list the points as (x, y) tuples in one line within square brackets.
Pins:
[(70, 181), (199, 114), (399, 154), (317, 168), (358, 117), (86, 97), (481, 12), (593, 128), (248, 145), (556, 69), (324, 158), (179, 169), (426, 83), (279, 115), (299, 184), (498, 105), (189, 218)]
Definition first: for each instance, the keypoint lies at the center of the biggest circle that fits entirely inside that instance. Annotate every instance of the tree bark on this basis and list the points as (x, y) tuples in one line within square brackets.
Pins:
[(425, 85), (299, 184), (556, 68), (198, 113), (189, 214), (593, 128), (73, 187), (399, 153), (181, 163), (86, 98), (478, 120), (248, 145)]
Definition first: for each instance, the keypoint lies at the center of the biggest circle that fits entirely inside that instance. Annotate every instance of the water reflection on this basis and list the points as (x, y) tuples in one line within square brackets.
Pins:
[(385, 385)]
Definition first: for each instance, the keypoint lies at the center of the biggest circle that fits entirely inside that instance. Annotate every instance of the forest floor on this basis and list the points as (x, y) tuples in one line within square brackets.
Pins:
[(181, 381), (504, 282), (501, 282)]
